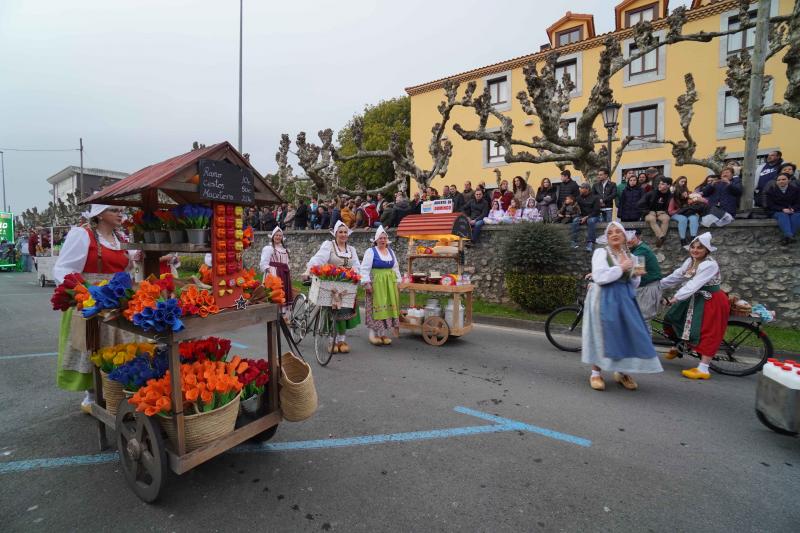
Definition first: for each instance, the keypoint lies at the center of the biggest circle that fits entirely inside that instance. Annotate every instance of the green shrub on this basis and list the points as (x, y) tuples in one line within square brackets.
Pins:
[(540, 293), (536, 247), (191, 263)]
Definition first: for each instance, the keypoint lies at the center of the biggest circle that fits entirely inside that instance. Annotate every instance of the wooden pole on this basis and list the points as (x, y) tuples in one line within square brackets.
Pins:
[(752, 134), (81, 178)]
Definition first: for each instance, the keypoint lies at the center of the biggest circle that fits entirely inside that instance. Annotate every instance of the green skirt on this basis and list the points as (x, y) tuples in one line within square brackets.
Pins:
[(343, 325), (385, 296)]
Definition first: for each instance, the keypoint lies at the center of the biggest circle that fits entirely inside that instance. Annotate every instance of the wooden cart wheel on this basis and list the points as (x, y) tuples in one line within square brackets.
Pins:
[(142, 453), (435, 331)]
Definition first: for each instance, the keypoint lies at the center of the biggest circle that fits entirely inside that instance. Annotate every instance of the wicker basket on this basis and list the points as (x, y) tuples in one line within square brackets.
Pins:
[(203, 428), (298, 393), (740, 307), (112, 393), (321, 292)]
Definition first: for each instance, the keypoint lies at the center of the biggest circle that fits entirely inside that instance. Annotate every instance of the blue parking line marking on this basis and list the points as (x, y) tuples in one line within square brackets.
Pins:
[(499, 425), (26, 355), (239, 345)]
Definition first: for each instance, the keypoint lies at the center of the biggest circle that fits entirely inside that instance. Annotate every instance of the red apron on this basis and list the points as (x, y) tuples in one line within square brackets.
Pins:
[(104, 260)]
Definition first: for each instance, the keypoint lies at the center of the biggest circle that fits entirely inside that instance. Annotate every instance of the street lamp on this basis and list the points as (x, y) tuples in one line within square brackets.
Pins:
[(610, 117), (3, 172)]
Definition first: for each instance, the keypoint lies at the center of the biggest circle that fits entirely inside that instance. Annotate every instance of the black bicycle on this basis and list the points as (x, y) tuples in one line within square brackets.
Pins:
[(743, 351)]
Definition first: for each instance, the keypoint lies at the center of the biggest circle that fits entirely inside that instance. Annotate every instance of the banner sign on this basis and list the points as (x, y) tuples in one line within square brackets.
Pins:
[(6, 227), (437, 206)]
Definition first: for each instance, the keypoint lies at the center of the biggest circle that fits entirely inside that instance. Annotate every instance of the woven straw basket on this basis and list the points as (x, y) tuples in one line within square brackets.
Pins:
[(203, 428), (112, 393), (298, 393)]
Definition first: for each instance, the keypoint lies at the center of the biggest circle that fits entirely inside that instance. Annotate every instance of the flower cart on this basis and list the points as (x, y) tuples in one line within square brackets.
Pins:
[(158, 434), (449, 230)]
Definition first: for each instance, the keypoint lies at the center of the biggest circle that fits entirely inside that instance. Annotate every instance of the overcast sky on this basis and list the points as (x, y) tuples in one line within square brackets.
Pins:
[(140, 80)]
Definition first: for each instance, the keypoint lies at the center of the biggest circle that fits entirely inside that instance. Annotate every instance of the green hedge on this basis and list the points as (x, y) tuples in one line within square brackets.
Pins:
[(540, 293), (536, 247), (191, 263)]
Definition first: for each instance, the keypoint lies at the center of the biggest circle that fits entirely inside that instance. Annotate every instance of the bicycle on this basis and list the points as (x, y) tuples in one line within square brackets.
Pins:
[(321, 321), (743, 351)]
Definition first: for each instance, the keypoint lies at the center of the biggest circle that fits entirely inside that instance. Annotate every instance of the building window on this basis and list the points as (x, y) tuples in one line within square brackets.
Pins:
[(641, 170), (635, 16), (495, 153), (642, 122), (742, 40), (567, 67), (498, 90), (731, 112), (569, 128), (644, 65), (572, 35)]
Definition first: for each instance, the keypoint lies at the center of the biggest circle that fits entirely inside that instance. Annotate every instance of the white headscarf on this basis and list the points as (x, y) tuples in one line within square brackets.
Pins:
[(380, 231), (705, 240), (340, 224), (629, 234), (274, 231), (94, 210)]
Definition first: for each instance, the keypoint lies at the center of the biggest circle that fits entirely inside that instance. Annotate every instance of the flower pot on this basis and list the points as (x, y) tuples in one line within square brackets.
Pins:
[(203, 428), (177, 236), (160, 237), (252, 405), (148, 237), (198, 236), (112, 393)]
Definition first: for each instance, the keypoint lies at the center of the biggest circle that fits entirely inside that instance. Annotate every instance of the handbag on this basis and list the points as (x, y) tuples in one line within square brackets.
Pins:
[(298, 393)]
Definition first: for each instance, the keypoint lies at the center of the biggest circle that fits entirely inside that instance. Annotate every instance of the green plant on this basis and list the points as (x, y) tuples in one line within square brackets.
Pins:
[(536, 248), (191, 263), (540, 292)]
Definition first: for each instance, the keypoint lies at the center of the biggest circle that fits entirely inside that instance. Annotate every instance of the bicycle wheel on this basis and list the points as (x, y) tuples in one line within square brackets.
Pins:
[(324, 335), (298, 318), (743, 351), (563, 328)]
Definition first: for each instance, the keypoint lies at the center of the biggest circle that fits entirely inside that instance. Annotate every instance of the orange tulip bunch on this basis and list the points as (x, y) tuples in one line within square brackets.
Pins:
[(207, 385), (146, 295), (196, 301), (275, 286)]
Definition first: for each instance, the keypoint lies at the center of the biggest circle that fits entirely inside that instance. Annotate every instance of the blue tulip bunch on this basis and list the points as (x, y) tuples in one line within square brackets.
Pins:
[(135, 374), (111, 295), (195, 216), (163, 317)]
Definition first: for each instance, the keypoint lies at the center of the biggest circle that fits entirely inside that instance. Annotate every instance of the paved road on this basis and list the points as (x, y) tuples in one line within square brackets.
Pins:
[(674, 456)]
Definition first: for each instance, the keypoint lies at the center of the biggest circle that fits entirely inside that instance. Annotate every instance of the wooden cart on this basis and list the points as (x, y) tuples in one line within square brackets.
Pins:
[(454, 226), (145, 454)]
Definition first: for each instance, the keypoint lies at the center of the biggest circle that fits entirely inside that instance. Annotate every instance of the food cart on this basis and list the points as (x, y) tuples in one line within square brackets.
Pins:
[(454, 228), (217, 176)]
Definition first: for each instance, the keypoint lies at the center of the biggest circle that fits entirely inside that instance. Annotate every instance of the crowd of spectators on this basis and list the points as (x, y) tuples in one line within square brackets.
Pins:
[(645, 196)]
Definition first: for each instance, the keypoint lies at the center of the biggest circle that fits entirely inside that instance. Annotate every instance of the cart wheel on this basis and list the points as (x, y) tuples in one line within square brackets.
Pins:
[(42, 281), (763, 419), (142, 453), (435, 331)]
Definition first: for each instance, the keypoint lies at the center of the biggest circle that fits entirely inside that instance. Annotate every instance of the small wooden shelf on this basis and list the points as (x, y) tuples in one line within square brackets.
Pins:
[(167, 247)]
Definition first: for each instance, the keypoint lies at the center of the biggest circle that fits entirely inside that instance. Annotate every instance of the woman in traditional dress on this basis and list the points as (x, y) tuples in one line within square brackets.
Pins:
[(275, 260), (380, 274), (615, 336), (338, 253), (699, 310), (93, 250)]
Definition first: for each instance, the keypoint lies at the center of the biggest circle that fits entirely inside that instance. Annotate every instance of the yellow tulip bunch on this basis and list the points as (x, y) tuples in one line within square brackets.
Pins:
[(110, 357)]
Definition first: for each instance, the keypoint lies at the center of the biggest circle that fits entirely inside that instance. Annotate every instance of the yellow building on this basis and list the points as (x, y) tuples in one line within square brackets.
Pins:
[(647, 90)]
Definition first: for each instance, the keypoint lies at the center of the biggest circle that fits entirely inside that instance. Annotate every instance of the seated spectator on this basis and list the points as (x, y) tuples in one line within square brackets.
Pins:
[(546, 200), (689, 214), (655, 204), (589, 205), (783, 202), (709, 180), (567, 187), (530, 213), (644, 183), (347, 214), (432, 194), (513, 213), (323, 218), (496, 213), (503, 194), (394, 213), (788, 170), (521, 190), (476, 210), (458, 199), (723, 198), (416, 203), (367, 216), (628, 205), (568, 212), (766, 174)]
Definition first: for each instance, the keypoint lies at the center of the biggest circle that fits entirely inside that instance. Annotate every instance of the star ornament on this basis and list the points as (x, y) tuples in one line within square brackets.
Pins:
[(241, 303)]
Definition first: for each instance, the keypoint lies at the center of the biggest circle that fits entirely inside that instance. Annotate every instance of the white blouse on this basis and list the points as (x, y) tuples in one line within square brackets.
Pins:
[(75, 250), (366, 264), (602, 274), (266, 256), (323, 256), (707, 271)]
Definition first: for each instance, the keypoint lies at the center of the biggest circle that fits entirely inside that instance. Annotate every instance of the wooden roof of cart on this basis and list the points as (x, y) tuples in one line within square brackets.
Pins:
[(435, 226), (175, 178)]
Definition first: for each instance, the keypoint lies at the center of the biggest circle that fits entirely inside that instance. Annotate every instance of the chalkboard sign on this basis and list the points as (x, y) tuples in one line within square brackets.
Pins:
[(225, 183)]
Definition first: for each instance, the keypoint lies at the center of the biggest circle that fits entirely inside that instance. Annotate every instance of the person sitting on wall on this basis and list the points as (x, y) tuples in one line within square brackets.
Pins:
[(606, 190), (782, 199), (765, 174), (590, 215), (458, 199), (496, 213), (568, 212), (530, 213), (723, 198), (655, 204), (476, 210), (643, 183), (503, 195), (628, 204), (567, 187)]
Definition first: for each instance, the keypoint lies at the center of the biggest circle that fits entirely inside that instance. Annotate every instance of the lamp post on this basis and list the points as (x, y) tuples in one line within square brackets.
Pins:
[(610, 121), (3, 172)]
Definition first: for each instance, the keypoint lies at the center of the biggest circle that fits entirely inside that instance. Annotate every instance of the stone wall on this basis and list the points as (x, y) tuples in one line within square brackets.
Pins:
[(753, 262)]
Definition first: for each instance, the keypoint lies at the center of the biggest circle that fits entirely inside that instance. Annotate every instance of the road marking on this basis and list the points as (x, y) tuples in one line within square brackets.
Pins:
[(239, 345), (499, 425), (510, 329), (25, 355)]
